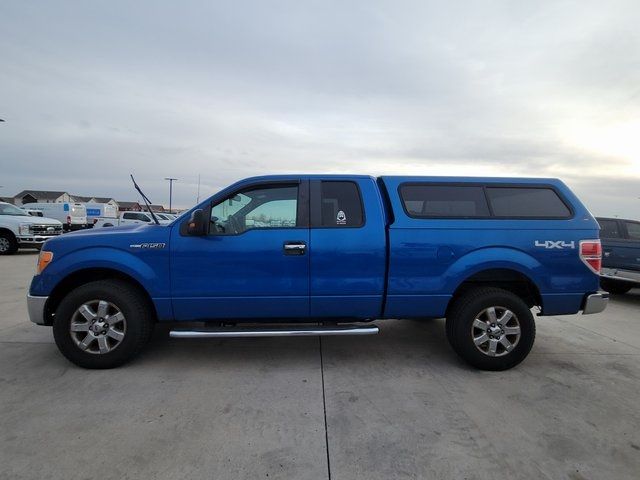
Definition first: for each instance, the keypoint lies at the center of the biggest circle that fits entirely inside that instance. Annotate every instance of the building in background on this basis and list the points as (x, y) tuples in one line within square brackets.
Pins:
[(129, 206), (41, 196), (7, 199), (107, 200)]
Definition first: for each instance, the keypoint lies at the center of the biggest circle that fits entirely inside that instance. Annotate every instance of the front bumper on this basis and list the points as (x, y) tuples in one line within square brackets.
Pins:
[(35, 306), (33, 240), (595, 303)]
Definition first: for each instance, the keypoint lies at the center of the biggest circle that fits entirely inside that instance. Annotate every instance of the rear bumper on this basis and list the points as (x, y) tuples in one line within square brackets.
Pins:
[(35, 307), (622, 275), (595, 303)]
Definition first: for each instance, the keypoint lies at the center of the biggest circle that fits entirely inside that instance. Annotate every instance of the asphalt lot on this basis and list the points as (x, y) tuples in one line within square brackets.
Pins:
[(396, 405)]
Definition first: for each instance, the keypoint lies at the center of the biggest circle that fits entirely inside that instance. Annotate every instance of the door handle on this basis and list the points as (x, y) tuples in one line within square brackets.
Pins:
[(294, 248)]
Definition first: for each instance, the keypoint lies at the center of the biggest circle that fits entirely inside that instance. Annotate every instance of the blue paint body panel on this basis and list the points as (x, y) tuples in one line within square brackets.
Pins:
[(393, 266)]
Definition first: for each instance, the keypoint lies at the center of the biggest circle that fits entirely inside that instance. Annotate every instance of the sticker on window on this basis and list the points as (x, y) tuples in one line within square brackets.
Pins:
[(341, 219)]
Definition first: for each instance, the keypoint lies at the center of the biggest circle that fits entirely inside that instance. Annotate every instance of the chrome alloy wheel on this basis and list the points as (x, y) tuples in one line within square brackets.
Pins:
[(98, 327), (4, 244), (496, 331)]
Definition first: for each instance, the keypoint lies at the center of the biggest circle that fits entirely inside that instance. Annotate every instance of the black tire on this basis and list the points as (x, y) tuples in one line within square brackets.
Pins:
[(614, 286), (469, 306), (131, 303), (8, 243)]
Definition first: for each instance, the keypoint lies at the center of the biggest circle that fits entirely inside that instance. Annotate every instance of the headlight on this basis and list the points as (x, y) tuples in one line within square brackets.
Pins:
[(44, 259), (23, 229)]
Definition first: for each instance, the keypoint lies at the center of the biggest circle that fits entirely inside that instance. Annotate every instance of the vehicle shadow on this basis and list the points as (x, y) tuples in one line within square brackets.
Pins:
[(631, 298)]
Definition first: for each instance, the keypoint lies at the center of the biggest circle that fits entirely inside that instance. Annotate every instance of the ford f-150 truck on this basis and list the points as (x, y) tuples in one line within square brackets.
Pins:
[(326, 255), (621, 262), (19, 229)]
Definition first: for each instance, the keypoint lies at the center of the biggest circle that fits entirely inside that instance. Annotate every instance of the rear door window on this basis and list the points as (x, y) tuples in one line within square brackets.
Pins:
[(340, 205), (608, 228), (526, 202), (633, 230), (444, 201), (77, 211)]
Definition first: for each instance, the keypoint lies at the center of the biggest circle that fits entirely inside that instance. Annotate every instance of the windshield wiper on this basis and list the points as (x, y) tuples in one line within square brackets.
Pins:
[(146, 200)]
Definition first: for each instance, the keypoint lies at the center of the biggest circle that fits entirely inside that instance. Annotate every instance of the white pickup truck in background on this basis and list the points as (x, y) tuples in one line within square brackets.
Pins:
[(18, 229), (98, 211), (129, 218)]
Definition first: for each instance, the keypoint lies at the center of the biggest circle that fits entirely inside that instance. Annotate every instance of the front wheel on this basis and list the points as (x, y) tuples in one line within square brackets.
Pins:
[(8, 244), (102, 324), (491, 328)]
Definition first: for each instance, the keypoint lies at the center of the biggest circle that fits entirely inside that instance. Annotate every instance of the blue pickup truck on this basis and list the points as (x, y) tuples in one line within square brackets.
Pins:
[(621, 263), (327, 255)]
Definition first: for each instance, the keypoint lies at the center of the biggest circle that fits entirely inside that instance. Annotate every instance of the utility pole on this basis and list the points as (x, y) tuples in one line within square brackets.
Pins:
[(198, 197), (171, 180)]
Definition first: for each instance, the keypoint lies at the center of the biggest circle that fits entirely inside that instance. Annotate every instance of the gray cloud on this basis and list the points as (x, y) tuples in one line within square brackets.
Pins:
[(94, 90)]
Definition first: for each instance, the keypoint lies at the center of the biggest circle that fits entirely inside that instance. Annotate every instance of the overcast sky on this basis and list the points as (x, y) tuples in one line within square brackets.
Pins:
[(92, 91)]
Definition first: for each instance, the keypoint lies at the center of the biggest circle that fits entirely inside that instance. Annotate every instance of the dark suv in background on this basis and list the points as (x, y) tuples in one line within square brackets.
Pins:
[(621, 254)]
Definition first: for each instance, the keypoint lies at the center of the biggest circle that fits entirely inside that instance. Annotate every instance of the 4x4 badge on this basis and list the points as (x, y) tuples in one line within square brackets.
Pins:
[(551, 244)]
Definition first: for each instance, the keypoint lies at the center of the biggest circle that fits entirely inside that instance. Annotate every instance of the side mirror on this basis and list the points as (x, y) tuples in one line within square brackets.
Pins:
[(196, 225)]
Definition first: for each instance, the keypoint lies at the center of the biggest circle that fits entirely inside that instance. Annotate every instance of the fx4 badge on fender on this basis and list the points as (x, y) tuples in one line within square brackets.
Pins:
[(551, 244)]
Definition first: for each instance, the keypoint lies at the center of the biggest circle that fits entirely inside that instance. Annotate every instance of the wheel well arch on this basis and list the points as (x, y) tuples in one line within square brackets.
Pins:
[(6, 230), (506, 278), (86, 275)]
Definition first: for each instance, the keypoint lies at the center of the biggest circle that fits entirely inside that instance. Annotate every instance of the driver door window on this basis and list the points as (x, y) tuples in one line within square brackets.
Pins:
[(258, 207)]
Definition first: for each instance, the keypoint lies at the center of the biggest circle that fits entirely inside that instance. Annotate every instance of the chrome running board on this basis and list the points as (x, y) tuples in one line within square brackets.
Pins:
[(288, 331)]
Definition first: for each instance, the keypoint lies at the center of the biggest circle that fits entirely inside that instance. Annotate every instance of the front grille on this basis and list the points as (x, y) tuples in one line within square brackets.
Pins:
[(45, 229)]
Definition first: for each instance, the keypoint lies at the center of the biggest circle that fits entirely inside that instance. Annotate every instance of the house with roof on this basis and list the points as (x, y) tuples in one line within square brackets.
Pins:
[(41, 196), (85, 199), (6, 199), (107, 200), (129, 206)]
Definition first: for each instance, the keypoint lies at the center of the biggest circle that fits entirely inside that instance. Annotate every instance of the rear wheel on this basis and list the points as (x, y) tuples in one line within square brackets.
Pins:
[(615, 286), (491, 328), (8, 244), (102, 324)]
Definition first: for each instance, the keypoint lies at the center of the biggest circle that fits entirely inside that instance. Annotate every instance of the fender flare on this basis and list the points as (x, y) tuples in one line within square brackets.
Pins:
[(492, 258)]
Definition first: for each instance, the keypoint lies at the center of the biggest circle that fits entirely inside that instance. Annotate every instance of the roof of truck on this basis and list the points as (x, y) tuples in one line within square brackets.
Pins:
[(408, 178)]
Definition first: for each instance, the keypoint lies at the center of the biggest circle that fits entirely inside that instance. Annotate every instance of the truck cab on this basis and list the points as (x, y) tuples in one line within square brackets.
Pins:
[(327, 255)]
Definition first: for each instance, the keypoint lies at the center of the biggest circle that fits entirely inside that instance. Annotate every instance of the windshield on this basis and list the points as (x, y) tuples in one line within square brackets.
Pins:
[(7, 209)]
